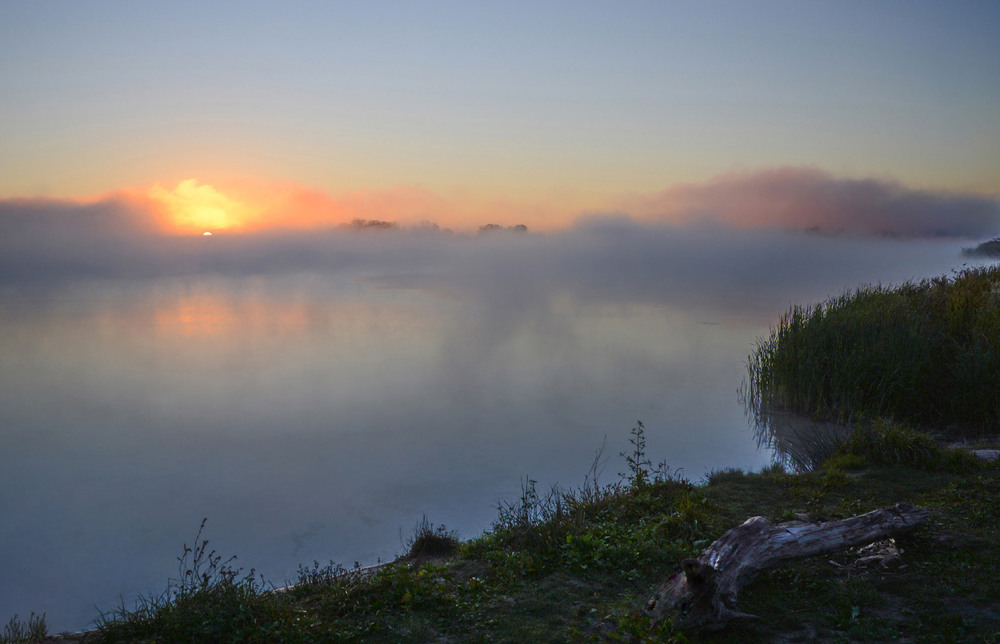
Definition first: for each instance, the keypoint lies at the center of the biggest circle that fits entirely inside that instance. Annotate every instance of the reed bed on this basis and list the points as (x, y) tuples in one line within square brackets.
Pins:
[(925, 353)]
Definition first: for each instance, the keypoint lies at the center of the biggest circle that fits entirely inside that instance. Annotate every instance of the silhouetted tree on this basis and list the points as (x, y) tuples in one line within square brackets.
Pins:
[(986, 249), (372, 224), (492, 228)]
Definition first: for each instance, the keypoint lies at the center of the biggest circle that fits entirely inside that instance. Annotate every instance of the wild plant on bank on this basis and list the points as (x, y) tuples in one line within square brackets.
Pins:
[(586, 528), (640, 469), (18, 632), (887, 443), (325, 575), (431, 541), (209, 601)]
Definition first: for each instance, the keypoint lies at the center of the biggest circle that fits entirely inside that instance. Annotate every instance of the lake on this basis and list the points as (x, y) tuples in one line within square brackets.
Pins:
[(315, 402)]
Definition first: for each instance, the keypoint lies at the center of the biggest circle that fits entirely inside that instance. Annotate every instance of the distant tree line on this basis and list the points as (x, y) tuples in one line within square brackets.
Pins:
[(426, 226), (986, 249), (372, 224), (493, 228)]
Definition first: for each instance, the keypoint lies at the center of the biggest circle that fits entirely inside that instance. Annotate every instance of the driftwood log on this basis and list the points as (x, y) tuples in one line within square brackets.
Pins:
[(703, 594)]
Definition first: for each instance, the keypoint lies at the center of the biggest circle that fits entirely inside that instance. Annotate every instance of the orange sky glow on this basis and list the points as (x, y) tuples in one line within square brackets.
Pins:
[(797, 197), (193, 207)]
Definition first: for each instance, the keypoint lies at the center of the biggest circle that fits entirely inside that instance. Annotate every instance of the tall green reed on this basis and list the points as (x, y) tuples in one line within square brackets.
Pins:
[(926, 353)]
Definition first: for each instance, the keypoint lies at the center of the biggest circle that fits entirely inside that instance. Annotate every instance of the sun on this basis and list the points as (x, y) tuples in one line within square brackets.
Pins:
[(195, 208)]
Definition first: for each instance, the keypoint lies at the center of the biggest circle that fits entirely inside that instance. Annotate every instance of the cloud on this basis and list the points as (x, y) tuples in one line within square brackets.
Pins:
[(807, 198)]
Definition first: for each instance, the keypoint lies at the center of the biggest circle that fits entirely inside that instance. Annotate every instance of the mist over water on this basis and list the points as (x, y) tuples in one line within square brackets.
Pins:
[(315, 395)]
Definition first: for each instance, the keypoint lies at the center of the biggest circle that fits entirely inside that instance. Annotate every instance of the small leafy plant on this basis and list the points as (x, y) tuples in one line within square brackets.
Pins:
[(640, 469)]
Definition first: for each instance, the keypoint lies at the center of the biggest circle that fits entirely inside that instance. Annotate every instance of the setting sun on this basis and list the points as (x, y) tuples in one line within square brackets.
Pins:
[(192, 207)]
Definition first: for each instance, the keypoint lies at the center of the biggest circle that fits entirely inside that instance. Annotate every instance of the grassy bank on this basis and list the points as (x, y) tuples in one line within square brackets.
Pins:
[(924, 353), (579, 565)]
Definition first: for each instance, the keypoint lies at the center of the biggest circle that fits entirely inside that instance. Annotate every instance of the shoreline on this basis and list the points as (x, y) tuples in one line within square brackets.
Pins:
[(982, 453)]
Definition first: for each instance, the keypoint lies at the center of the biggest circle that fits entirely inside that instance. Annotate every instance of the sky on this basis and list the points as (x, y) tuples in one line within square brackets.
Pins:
[(312, 113)]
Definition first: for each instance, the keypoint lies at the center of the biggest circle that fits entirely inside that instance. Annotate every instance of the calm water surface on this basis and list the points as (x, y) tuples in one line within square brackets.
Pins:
[(319, 414)]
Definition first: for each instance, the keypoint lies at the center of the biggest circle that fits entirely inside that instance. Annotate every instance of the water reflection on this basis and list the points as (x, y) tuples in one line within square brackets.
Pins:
[(798, 442)]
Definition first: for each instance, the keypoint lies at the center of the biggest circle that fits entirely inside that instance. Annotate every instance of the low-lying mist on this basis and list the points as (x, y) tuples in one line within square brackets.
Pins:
[(740, 235), (601, 257)]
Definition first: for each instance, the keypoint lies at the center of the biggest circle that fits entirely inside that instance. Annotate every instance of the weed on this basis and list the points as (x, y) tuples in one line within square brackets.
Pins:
[(640, 469), (209, 601), (729, 473), (887, 443), (580, 527), (201, 569), (638, 464), (18, 632), (428, 541), (317, 575)]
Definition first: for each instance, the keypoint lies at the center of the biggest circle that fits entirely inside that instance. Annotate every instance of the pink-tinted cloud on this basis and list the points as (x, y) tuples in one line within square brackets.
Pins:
[(807, 198)]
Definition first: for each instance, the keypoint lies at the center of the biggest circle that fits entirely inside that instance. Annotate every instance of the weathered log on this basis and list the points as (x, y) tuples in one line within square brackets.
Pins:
[(703, 594)]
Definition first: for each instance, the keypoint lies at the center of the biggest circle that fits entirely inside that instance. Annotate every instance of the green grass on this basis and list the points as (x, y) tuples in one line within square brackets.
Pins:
[(886, 443), (927, 354)]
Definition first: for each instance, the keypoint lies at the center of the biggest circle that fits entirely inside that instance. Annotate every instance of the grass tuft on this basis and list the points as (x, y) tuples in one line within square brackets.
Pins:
[(887, 443), (18, 632), (430, 541), (209, 601)]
